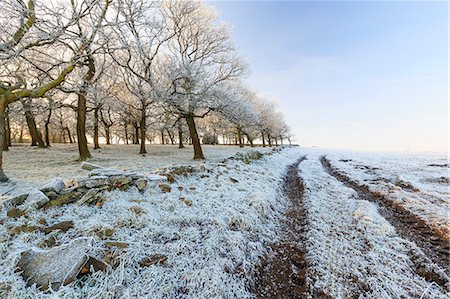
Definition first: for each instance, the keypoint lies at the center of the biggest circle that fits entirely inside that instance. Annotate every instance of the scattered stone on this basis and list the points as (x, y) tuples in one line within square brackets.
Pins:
[(15, 201), (137, 200), (141, 184), (89, 166), (57, 266), (180, 188), (62, 226), (16, 213), (91, 197), (66, 198), (51, 194), (233, 180), (23, 229), (134, 175), (116, 244), (162, 177), (36, 199), (119, 181), (98, 181), (188, 202), (68, 190), (152, 260), (106, 172), (42, 221), (165, 188), (54, 185)]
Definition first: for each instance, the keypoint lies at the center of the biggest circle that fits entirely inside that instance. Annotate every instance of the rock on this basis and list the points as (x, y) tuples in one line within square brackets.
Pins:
[(90, 197), (16, 213), (62, 226), (134, 175), (63, 199), (118, 181), (55, 185), (68, 190), (51, 194), (36, 199), (163, 177), (141, 184), (15, 201), (152, 260), (106, 172), (49, 242), (89, 166), (165, 188), (57, 266), (98, 181), (23, 229), (93, 265), (81, 182)]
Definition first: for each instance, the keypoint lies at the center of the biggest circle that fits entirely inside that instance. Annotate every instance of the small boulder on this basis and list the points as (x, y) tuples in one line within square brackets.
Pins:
[(97, 181), (57, 266), (187, 202), (89, 166), (163, 177), (141, 184), (15, 201), (36, 199), (106, 172), (62, 199), (119, 181), (90, 197), (55, 185), (165, 188)]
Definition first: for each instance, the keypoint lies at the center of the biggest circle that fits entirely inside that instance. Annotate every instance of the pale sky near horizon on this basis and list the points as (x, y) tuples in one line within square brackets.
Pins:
[(357, 75)]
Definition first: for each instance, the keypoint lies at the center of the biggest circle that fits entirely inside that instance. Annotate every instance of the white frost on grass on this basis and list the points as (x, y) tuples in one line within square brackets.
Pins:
[(39, 165), (350, 244), (212, 246), (412, 180)]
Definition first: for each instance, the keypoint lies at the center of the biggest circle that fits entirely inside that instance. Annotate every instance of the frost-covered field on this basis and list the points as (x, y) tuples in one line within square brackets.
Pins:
[(39, 165), (212, 244), (419, 182), (216, 225)]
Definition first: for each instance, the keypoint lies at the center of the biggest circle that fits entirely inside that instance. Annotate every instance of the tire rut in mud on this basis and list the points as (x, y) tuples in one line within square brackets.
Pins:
[(283, 273), (431, 258)]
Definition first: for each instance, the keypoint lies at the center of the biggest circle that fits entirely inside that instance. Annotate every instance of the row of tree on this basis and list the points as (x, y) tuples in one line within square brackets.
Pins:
[(130, 70)]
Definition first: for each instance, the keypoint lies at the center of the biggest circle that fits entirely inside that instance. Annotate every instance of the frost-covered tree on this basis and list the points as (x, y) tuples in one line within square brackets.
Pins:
[(199, 62)]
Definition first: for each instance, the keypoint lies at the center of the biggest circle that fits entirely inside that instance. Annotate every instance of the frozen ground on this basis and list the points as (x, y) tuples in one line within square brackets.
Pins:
[(39, 165), (419, 182), (215, 243)]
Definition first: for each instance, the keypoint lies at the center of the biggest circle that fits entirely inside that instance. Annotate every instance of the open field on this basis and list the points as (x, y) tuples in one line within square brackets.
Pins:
[(292, 223), (38, 165)]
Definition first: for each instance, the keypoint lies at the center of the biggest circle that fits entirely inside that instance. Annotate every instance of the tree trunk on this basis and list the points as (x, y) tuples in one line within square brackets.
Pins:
[(263, 140), (69, 135), (107, 135), (126, 133), (36, 138), (143, 128), (3, 177), (47, 123), (7, 135), (81, 128), (239, 132), (162, 136), (180, 135), (269, 140), (96, 143), (198, 153), (170, 137), (136, 133)]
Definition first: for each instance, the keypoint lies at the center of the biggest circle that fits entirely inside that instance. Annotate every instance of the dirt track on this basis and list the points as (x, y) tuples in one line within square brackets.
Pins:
[(410, 227), (283, 273)]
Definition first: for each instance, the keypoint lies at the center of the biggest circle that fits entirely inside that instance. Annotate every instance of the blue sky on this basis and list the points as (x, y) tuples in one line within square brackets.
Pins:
[(357, 75)]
